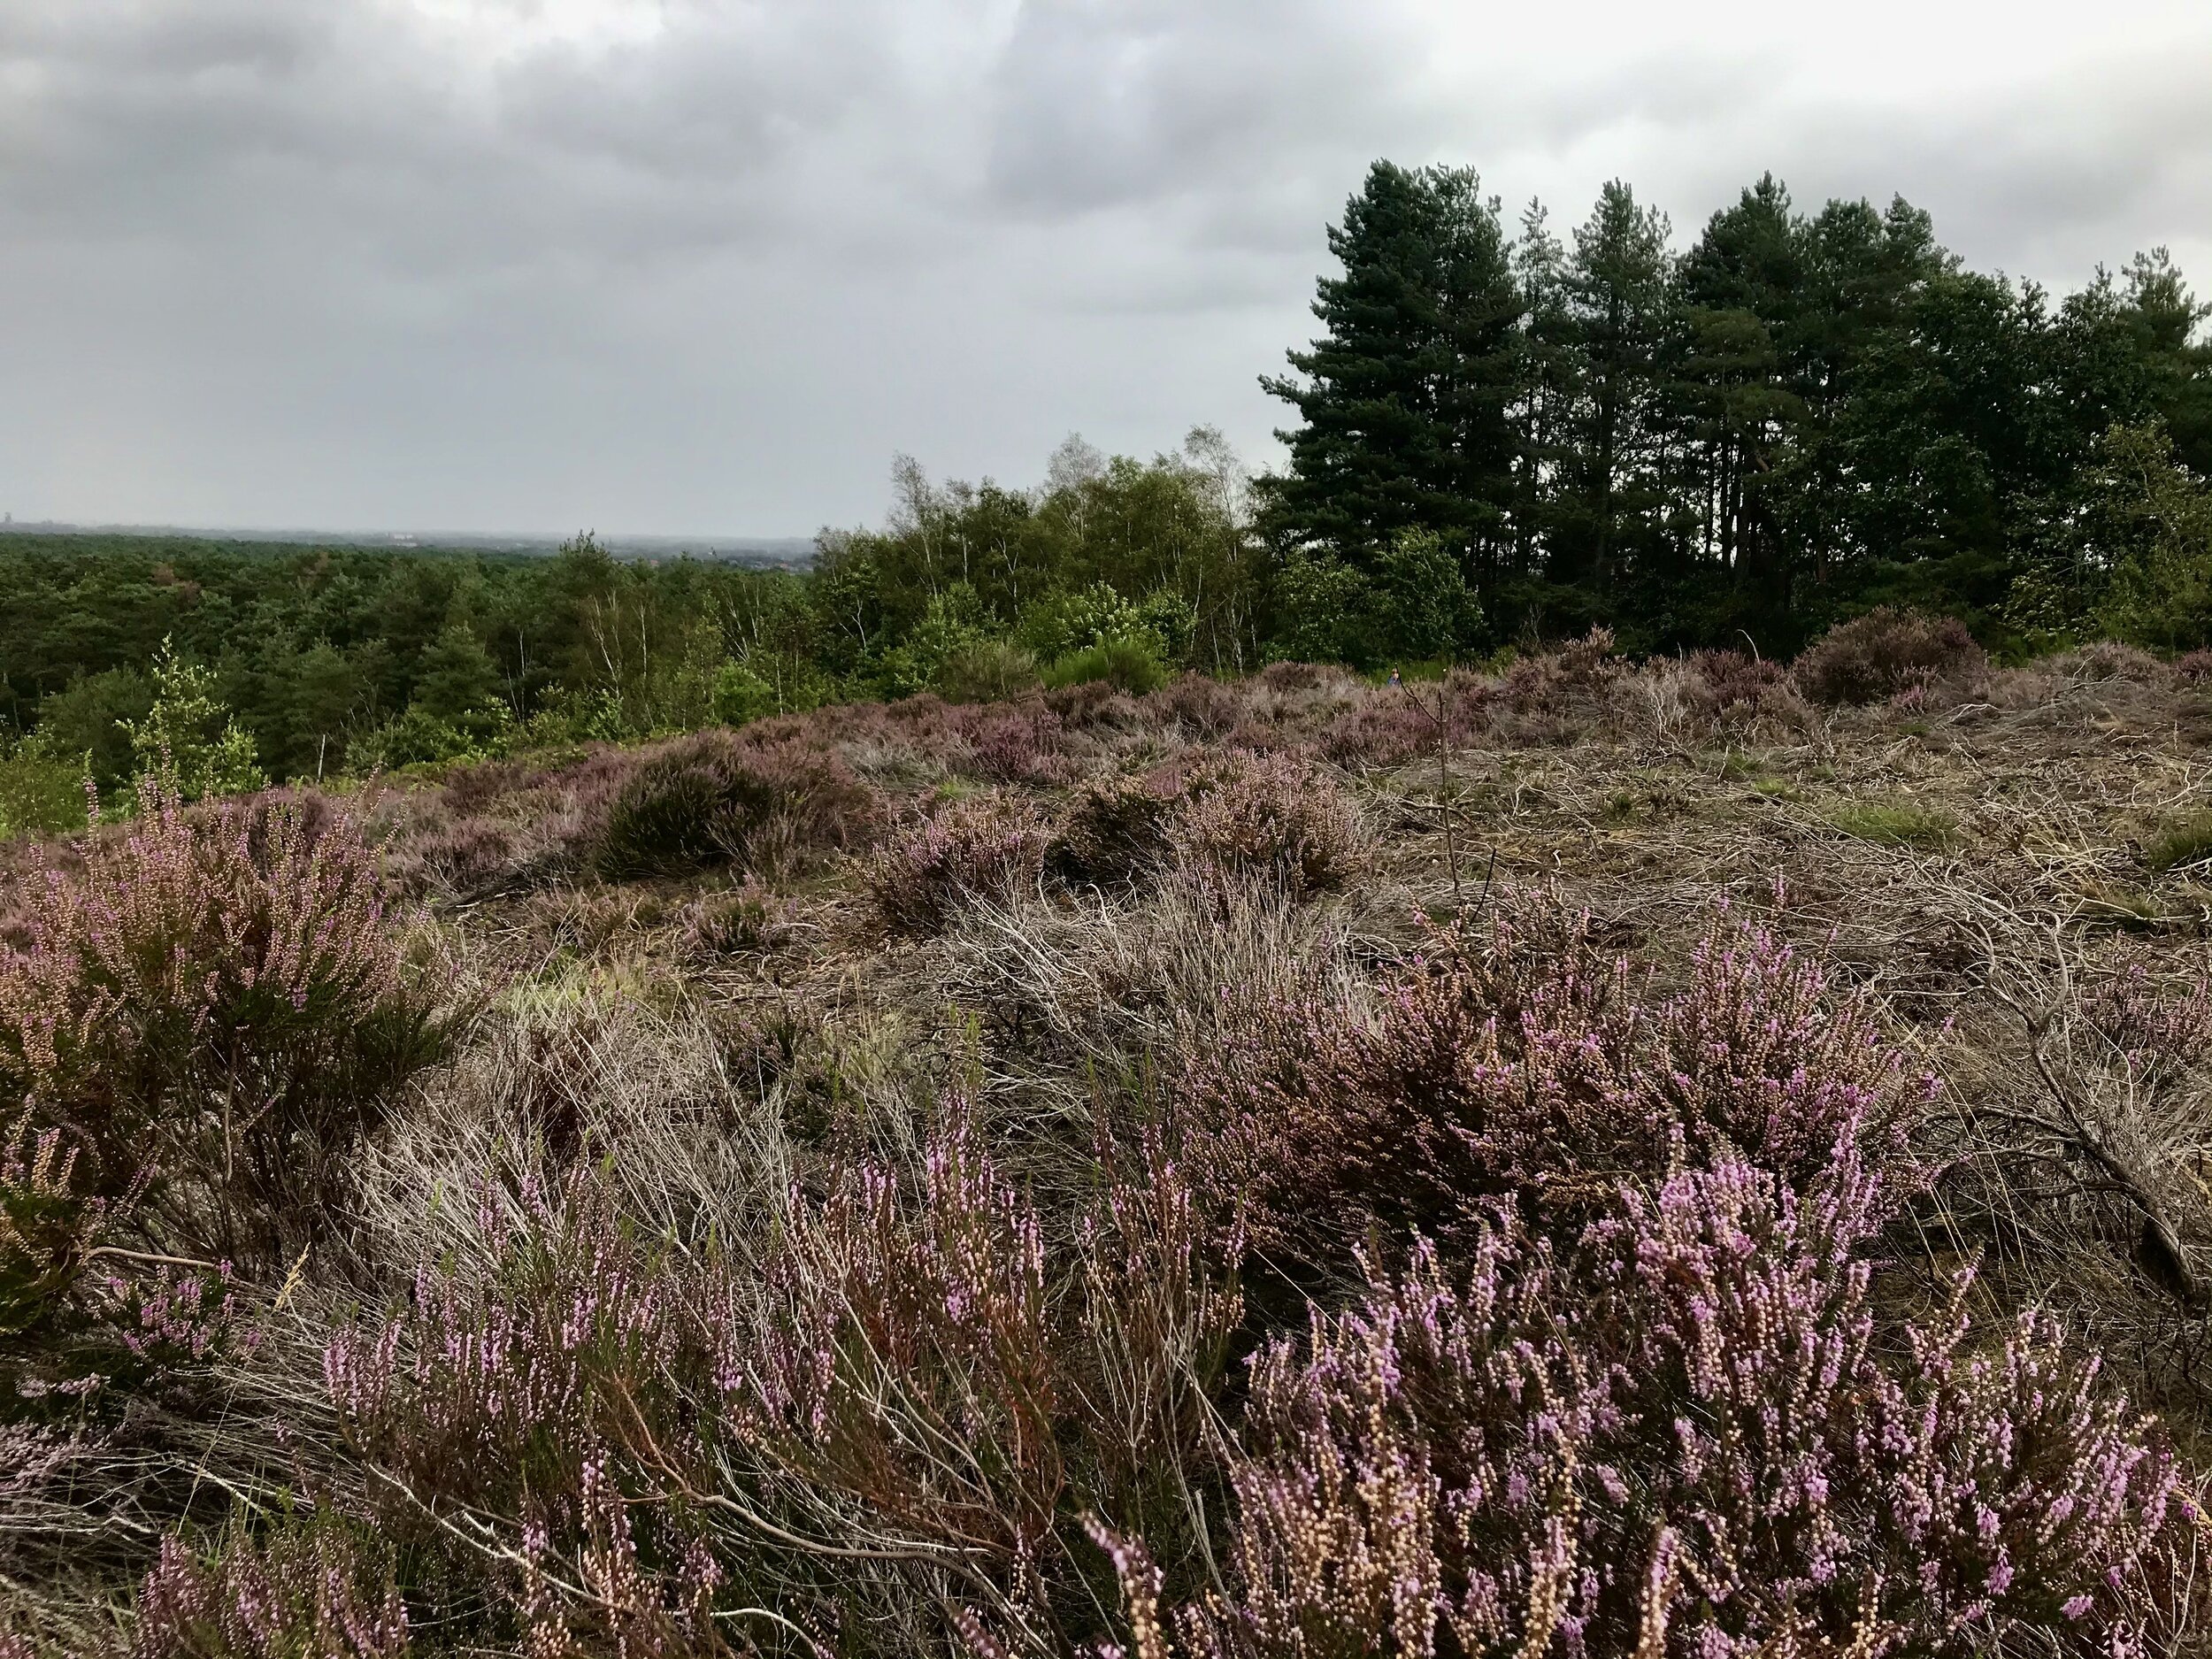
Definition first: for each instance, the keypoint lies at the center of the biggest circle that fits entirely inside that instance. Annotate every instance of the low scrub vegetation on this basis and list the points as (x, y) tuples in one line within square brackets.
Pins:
[(1262, 1168)]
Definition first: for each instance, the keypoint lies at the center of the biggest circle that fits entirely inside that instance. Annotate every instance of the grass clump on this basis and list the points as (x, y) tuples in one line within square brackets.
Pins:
[(1895, 824), (2181, 842), (1133, 665)]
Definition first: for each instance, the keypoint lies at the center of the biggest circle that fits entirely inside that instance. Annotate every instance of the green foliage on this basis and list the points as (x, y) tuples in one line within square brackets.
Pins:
[(2157, 519), (1800, 415), (985, 669), (41, 793), (1131, 664), (420, 738), (1424, 607), (189, 736), (740, 694), (91, 720), (1402, 401), (1804, 415), (457, 678), (951, 622), (1321, 607), (1063, 623)]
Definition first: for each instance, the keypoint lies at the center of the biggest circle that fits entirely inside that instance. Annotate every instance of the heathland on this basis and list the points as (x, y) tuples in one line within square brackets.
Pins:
[(1690, 1156), (1580, 1026)]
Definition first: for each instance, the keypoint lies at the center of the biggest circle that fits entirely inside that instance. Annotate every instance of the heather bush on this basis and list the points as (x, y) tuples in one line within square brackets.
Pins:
[(316, 1590), (213, 1008), (883, 1383), (2111, 659), (1519, 1061), (717, 798), (1201, 705), (1278, 817), (1682, 1436), (1569, 680), (1112, 832), (1398, 725), (1016, 745), (1737, 680), (1885, 652), (988, 848), (498, 1379), (2156, 1029), (1091, 705), (47, 1224), (468, 858), (693, 803)]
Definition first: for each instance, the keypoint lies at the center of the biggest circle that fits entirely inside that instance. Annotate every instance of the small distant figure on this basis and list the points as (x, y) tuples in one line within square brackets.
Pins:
[(1393, 678)]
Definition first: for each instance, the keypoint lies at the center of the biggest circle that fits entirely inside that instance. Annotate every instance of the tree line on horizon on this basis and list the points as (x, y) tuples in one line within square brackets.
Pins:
[(1502, 437)]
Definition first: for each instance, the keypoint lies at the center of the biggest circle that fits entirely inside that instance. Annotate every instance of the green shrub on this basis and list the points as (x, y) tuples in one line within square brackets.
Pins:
[(1133, 665), (189, 737), (1894, 823), (2158, 515), (40, 793), (421, 737), (1323, 608), (740, 696), (1060, 624), (90, 719), (953, 621)]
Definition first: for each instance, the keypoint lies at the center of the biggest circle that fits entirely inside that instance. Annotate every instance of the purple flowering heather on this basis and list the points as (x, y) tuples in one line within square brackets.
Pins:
[(318, 1591), (1519, 1059), (213, 1001), (1685, 1437)]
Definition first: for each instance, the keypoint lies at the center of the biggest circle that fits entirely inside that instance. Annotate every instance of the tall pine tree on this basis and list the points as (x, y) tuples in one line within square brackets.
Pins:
[(1404, 398), (1618, 304)]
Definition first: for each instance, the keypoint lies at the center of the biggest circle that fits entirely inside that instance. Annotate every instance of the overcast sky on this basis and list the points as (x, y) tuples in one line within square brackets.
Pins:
[(704, 265)]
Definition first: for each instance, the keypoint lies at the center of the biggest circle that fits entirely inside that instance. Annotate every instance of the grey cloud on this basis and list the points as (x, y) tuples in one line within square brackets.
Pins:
[(343, 262)]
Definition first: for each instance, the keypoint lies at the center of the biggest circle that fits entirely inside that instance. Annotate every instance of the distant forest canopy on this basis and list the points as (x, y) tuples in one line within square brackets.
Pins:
[(1502, 436), (260, 661)]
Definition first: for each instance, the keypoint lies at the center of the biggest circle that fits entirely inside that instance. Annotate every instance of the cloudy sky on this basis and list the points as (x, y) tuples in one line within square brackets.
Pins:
[(701, 266)]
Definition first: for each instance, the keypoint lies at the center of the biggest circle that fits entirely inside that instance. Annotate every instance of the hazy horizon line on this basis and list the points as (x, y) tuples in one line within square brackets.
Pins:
[(387, 536)]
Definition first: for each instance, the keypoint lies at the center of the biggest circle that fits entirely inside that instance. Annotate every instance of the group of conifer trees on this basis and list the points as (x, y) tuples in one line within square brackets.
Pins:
[(1504, 432)]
